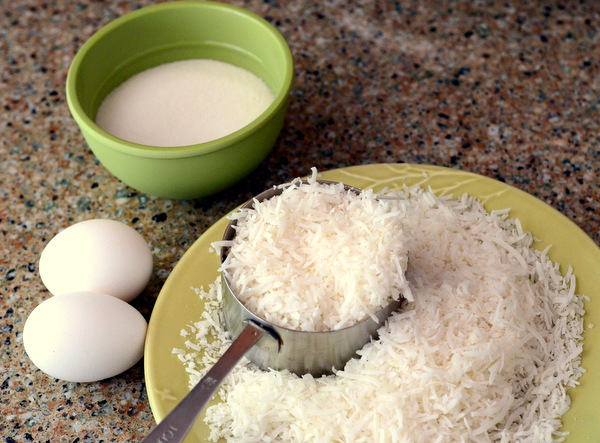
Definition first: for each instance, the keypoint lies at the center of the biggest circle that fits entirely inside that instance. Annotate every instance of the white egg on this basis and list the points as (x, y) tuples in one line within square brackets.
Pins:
[(97, 255), (84, 336)]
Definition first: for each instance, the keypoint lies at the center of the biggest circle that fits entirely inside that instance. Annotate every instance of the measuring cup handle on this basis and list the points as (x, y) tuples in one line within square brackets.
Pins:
[(175, 426)]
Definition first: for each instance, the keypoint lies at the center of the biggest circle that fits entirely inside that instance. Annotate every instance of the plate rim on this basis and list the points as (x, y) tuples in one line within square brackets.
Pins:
[(400, 172)]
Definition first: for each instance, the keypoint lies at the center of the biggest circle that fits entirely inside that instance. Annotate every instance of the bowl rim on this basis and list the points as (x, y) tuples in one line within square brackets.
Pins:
[(118, 144)]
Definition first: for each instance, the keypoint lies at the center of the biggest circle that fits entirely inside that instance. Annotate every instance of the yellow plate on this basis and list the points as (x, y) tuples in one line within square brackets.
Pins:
[(178, 305)]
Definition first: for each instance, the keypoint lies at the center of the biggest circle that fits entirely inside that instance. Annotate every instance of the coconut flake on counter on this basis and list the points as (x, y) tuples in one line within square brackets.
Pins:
[(317, 257), (485, 352)]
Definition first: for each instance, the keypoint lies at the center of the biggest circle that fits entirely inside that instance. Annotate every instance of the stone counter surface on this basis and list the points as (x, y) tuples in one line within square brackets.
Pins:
[(506, 89)]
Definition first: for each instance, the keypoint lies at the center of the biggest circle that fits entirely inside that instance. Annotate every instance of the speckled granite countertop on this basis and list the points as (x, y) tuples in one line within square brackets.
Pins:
[(509, 90)]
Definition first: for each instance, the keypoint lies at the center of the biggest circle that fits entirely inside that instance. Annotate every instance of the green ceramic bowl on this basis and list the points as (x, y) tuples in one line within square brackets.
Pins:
[(165, 33)]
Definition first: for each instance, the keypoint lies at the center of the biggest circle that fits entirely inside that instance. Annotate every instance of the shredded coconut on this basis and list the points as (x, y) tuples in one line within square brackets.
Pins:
[(317, 257), (484, 353)]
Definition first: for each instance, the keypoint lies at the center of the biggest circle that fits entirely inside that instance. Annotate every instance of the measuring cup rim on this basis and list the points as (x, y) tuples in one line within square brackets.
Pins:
[(229, 234)]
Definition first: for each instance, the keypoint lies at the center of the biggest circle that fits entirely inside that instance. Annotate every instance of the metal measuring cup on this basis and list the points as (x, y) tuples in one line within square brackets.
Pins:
[(301, 352), (267, 345)]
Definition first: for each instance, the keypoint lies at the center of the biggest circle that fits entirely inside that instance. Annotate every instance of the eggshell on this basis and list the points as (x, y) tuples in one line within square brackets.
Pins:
[(97, 255), (84, 336)]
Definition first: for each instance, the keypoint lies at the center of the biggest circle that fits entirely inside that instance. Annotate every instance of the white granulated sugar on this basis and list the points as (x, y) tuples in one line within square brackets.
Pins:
[(184, 103), (484, 353), (318, 257)]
